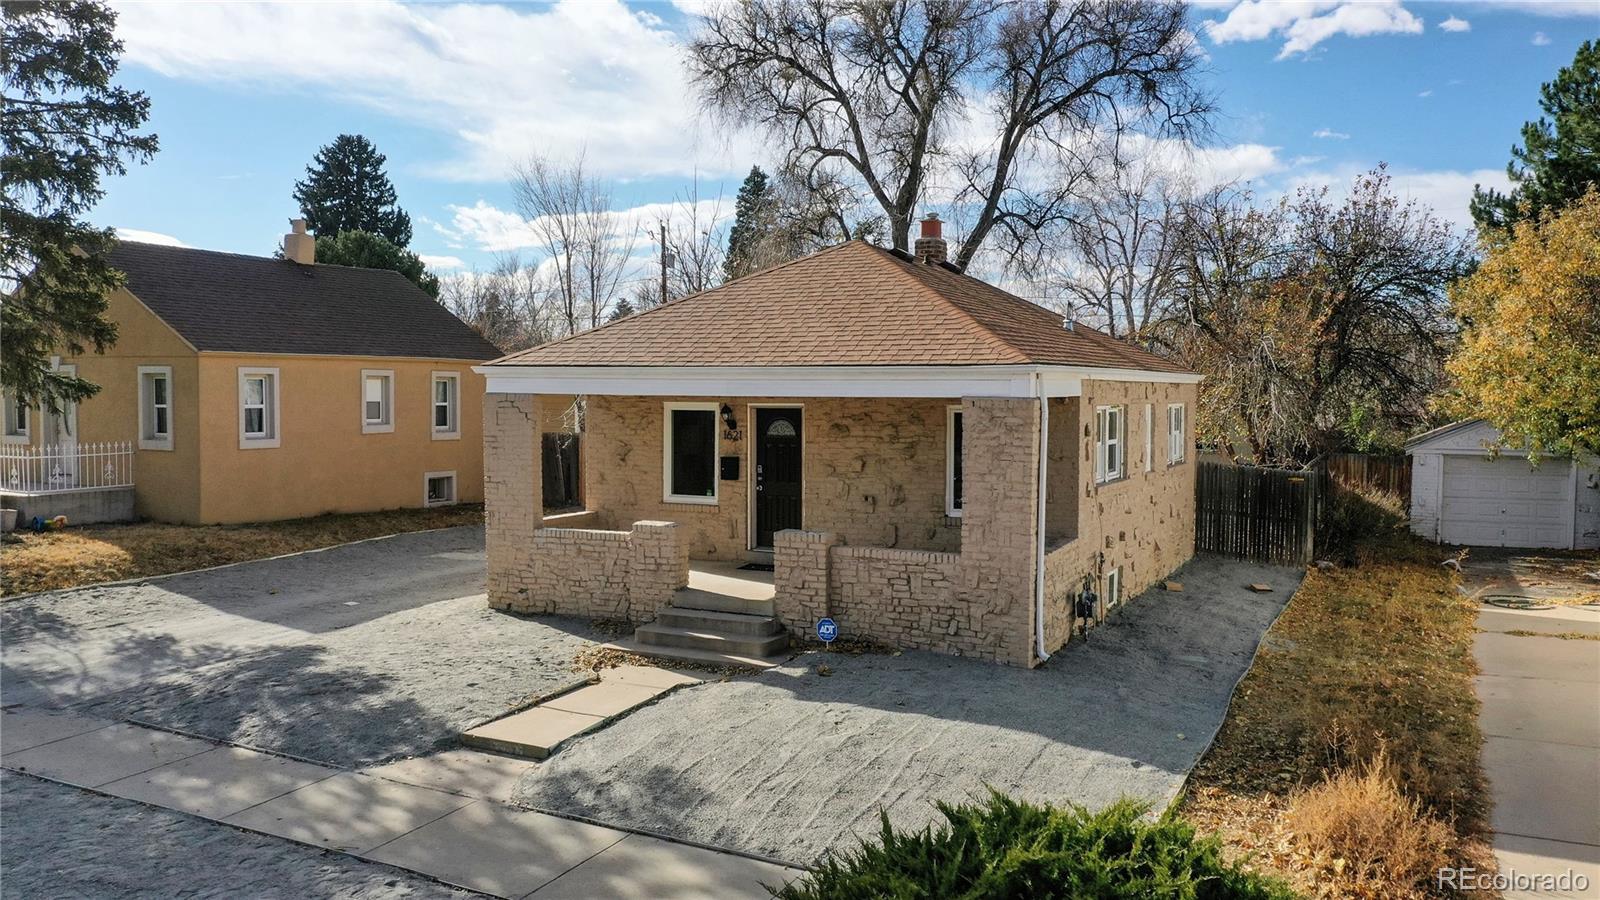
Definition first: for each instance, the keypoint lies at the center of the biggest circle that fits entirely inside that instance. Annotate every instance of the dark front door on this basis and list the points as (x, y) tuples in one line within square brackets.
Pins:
[(777, 471)]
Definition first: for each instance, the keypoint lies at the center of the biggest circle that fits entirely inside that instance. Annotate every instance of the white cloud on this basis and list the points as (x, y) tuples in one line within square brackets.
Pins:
[(1447, 192), (1207, 165), (148, 237), (1328, 134), (1540, 39), (441, 262), (1425, 94), (1303, 24), (506, 81), (1455, 24), (491, 229)]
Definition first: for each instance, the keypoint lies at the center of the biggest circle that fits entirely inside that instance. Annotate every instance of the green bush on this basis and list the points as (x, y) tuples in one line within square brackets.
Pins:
[(1008, 848)]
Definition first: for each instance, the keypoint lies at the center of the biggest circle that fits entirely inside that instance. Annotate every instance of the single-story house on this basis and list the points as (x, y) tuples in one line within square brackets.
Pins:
[(249, 388), (922, 457), (1463, 493)]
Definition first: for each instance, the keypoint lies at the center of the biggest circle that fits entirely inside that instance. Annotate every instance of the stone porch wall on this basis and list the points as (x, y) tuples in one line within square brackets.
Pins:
[(978, 602), (874, 472), (599, 574)]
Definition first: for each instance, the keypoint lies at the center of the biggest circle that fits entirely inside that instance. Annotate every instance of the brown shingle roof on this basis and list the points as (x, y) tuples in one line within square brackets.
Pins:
[(853, 304), (257, 304)]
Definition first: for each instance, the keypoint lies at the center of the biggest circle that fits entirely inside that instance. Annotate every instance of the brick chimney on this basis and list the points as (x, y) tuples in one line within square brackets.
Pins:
[(297, 245), (930, 246)]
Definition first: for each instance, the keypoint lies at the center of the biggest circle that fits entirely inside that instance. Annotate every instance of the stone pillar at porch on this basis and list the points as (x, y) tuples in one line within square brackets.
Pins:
[(513, 496), (659, 567), (800, 578), (999, 521)]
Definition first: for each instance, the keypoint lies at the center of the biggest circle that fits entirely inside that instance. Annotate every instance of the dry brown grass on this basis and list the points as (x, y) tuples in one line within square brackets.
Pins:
[(99, 553), (1369, 660), (1356, 828)]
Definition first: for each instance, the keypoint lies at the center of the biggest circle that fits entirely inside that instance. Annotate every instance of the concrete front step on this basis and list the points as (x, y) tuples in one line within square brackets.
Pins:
[(734, 624), (658, 635), (704, 657), (695, 598)]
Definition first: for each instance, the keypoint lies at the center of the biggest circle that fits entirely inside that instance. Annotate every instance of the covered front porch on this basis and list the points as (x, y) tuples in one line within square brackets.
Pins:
[(912, 520)]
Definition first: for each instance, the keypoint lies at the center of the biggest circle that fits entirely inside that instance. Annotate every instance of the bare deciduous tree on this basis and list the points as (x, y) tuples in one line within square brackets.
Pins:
[(879, 92), (569, 209)]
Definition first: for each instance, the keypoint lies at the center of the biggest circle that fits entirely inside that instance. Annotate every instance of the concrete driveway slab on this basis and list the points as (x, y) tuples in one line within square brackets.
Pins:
[(1527, 855), (604, 699), (496, 849), (218, 783), (648, 869), (1567, 712), (1543, 789), (1513, 655), (349, 812), (23, 729), (486, 776), (1562, 619), (106, 754)]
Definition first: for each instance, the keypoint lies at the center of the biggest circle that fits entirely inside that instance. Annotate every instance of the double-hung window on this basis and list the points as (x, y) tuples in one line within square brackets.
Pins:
[(155, 407), (18, 419), (1110, 438), (1149, 437), (952, 468), (1177, 434), (689, 453), (377, 401), (446, 406), (258, 408)]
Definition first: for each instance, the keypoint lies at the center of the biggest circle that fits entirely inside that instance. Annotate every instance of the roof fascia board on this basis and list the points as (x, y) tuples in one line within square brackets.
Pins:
[(808, 381), (247, 354)]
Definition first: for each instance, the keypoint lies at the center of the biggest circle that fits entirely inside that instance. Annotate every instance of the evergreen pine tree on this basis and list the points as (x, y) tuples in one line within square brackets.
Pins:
[(370, 251), (1560, 154), (346, 189), (753, 217), (63, 125)]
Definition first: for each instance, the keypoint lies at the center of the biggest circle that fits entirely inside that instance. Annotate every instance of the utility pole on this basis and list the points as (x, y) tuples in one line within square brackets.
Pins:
[(663, 295)]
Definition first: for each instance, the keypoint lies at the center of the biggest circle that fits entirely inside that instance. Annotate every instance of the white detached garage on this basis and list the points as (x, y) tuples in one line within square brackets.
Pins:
[(1462, 495)]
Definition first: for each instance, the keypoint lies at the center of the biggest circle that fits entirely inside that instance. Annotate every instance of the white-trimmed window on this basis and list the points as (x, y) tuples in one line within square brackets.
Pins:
[(445, 406), (377, 401), (155, 407), (1113, 588), (1149, 436), (1110, 441), (258, 408), (952, 467), (689, 453), (1177, 434), (438, 488), (19, 419)]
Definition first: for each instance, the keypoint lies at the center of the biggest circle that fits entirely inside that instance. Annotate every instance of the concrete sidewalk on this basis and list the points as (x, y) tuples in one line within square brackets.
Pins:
[(1541, 725), (461, 836)]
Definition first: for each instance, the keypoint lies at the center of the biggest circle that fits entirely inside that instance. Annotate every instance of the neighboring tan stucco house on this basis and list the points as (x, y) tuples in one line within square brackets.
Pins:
[(924, 458), (253, 388)]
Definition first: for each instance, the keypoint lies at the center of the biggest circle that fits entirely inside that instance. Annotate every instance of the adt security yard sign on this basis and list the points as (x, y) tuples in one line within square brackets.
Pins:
[(827, 630)]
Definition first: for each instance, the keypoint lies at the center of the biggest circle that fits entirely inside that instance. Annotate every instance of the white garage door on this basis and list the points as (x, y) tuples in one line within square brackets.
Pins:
[(1506, 503)]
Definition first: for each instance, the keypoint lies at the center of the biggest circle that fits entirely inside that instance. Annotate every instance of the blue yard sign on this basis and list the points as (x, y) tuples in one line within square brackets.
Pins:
[(827, 630)]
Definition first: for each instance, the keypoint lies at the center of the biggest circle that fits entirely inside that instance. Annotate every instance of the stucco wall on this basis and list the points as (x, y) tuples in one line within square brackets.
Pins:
[(874, 472), (1142, 523), (166, 482), (324, 463)]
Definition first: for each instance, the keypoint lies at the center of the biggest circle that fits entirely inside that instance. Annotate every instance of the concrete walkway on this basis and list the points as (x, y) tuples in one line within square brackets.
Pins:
[(1541, 725), (394, 814)]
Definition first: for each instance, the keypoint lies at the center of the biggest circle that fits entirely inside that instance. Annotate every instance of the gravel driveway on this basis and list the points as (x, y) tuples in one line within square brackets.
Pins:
[(791, 763), (348, 656)]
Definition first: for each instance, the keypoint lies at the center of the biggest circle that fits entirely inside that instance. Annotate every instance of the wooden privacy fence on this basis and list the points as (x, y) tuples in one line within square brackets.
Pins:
[(1364, 471), (562, 469), (1266, 515)]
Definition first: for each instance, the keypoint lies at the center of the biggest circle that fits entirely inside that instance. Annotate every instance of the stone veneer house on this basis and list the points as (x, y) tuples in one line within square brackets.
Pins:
[(928, 460)]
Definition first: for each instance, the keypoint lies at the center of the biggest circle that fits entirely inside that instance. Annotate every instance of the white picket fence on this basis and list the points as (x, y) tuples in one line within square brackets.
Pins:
[(66, 467)]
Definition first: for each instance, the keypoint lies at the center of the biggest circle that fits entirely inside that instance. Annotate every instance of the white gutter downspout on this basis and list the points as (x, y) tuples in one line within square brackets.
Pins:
[(1038, 567)]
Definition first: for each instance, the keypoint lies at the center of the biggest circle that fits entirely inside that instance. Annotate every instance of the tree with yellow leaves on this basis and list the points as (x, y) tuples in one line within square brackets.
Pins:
[(1529, 358)]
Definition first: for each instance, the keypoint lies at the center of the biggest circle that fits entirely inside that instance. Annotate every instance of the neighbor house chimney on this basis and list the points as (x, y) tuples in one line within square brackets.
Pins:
[(297, 245), (930, 246)]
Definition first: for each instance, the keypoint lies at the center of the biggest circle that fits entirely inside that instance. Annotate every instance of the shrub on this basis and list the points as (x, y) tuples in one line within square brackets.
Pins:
[(1358, 828), (1365, 523), (1009, 848)]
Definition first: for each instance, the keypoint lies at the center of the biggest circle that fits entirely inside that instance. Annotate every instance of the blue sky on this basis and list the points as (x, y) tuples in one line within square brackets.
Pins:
[(242, 95)]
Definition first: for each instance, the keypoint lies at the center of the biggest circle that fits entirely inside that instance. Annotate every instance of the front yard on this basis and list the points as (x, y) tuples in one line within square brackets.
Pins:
[(76, 557), (1369, 671)]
